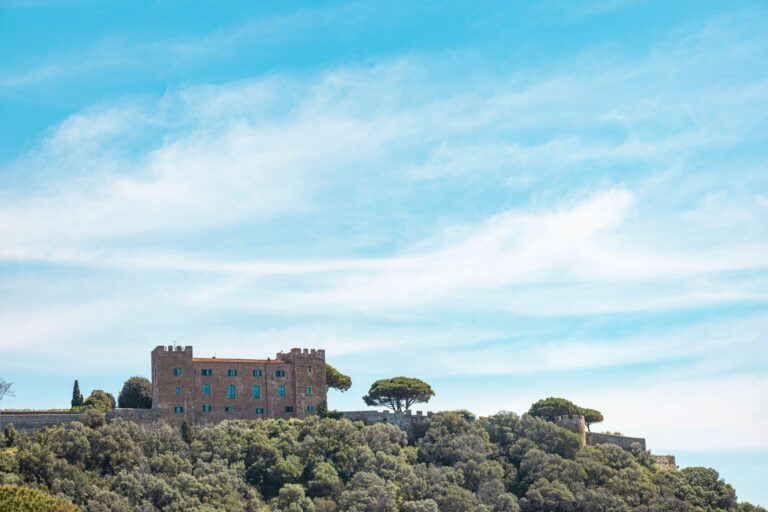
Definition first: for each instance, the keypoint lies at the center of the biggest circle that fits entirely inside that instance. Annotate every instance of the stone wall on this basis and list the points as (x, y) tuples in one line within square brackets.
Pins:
[(29, 421), (407, 420), (625, 442), (142, 416), (575, 423), (208, 390)]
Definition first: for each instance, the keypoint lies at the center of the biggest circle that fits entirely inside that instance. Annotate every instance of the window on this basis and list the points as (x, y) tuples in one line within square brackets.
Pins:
[(177, 390), (178, 410), (309, 370), (206, 372), (231, 373), (288, 408), (228, 409), (256, 392), (206, 390), (177, 371), (310, 408), (257, 373), (259, 410), (206, 408), (309, 390), (281, 391), (231, 391), (280, 373)]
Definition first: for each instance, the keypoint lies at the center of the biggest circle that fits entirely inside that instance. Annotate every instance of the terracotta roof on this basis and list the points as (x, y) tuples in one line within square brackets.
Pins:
[(223, 360)]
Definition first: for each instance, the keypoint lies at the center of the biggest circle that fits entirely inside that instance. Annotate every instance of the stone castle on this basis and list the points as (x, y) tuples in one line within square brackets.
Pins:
[(204, 390), (292, 385)]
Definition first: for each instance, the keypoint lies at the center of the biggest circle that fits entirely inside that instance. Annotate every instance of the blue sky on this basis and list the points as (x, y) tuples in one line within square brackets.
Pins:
[(511, 200)]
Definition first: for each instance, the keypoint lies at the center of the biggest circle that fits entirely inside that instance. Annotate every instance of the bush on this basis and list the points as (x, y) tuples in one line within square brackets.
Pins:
[(24, 499), (136, 394), (100, 400)]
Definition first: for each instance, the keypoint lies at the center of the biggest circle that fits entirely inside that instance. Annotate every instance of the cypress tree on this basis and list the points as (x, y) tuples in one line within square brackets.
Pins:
[(77, 396)]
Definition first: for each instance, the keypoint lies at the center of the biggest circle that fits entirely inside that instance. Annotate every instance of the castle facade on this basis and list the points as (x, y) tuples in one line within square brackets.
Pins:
[(203, 390)]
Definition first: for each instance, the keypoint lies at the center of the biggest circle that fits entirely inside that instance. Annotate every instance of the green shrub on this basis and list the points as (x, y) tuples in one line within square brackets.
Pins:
[(25, 499)]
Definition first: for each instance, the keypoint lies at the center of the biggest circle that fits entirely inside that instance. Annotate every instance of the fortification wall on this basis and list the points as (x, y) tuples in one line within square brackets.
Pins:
[(575, 423), (142, 416), (29, 421), (407, 420), (594, 438)]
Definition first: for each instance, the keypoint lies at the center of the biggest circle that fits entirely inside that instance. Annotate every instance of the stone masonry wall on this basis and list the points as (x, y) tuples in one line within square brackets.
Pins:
[(594, 438), (33, 420), (208, 390), (407, 421)]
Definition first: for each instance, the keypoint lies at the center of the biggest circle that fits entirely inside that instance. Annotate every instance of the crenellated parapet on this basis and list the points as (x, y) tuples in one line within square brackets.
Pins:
[(575, 423)]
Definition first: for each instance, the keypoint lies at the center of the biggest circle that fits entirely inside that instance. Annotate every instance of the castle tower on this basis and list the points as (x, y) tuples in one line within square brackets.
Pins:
[(173, 380), (574, 423), (308, 378)]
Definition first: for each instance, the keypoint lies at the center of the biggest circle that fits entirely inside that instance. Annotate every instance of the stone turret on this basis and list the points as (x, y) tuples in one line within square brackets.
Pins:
[(574, 423)]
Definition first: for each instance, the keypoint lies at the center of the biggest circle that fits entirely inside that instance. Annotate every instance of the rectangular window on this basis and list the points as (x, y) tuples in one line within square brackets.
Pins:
[(257, 373), (206, 372), (281, 391), (231, 391), (309, 370), (310, 408), (177, 371), (177, 390), (256, 392), (206, 408), (228, 409), (178, 410), (288, 408), (309, 390), (206, 390), (259, 410), (280, 373), (231, 373)]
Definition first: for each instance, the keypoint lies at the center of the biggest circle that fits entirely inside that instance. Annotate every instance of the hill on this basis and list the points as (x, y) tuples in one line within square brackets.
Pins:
[(502, 463)]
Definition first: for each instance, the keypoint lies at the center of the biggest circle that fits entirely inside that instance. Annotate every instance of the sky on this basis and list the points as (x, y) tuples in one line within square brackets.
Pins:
[(509, 200)]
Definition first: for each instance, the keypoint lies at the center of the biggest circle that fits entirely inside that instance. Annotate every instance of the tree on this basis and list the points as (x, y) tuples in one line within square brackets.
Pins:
[(136, 394), (77, 396), (398, 393), (100, 401), (550, 408), (5, 389), (186, 432), (591, 416), (13, 497), (336, 380)]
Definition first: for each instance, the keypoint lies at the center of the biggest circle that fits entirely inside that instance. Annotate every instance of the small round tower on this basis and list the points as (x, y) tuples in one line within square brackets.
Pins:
[(574, 423)]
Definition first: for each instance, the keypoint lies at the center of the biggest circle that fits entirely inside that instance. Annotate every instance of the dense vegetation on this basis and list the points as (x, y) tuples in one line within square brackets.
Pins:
[(550, 408), (454, 464), (23, 499)]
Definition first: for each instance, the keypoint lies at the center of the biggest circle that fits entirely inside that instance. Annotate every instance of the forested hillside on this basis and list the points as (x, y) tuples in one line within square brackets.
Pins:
[(496, 464)]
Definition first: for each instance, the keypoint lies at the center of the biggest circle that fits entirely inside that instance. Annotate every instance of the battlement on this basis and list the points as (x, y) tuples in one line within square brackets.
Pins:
[(569, 417), (172, 348), (308, 352), (574, 423)]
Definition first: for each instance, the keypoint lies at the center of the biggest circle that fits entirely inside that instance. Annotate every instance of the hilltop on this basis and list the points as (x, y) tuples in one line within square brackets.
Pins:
[(454, 463)]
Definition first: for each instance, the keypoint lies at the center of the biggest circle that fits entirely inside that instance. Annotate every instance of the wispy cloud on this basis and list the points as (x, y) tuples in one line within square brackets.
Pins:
[(504, 224)]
